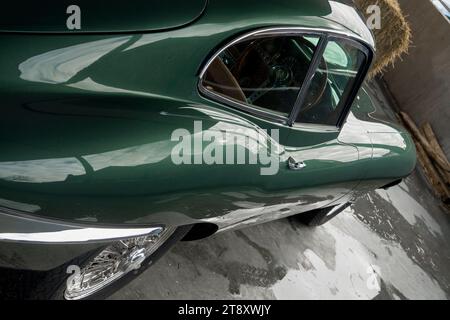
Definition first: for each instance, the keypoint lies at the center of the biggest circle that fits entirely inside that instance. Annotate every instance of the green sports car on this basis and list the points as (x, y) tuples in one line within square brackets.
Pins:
[(128, 126)]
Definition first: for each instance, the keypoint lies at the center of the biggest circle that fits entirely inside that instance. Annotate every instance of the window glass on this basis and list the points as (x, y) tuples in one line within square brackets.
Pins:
[(332, 83), (266, 73)]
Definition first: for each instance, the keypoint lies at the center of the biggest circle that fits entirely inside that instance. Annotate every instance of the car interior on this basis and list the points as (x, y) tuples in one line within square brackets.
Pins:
[(268, 73)]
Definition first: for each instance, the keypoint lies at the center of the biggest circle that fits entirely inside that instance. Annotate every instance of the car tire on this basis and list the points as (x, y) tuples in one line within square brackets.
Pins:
[(321, 216), (53, 285)]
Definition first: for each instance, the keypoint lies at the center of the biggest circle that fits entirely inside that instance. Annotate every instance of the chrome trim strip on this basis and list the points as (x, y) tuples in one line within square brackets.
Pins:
[(78, 235), (311, 127), (18, 227)]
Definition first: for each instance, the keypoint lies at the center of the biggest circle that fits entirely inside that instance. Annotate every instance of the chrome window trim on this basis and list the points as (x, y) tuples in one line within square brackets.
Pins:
[(324, 35), (311, 127)]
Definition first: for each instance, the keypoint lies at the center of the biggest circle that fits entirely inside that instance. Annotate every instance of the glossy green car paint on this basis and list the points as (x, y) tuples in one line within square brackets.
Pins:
[(86, 124), (99, 16)]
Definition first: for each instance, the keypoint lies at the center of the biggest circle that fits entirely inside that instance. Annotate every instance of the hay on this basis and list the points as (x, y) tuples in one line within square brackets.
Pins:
[(394, 37)]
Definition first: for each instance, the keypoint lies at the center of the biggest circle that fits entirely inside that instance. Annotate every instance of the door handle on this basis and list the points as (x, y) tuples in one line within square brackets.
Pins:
[(294, 165)]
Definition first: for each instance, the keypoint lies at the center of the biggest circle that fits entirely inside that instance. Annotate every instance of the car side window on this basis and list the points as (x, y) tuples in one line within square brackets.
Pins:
[(265, 73), (332, 83)]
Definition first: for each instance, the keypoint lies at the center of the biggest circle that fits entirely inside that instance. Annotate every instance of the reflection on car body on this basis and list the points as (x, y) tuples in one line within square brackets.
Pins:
[(87, 176)]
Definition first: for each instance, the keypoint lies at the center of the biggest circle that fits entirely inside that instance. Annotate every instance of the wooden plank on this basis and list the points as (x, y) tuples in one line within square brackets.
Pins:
[(430, 135), (431, 173), (443, 163)]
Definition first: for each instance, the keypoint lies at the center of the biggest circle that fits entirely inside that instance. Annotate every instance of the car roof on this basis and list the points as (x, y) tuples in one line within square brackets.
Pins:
[(337, 15), (345, 14)]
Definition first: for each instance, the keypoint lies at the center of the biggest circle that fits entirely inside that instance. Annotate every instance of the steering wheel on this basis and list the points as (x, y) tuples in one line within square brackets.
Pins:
[(269, 63)]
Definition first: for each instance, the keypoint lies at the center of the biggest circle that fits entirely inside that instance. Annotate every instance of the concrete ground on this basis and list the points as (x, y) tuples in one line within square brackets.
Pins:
[(390, 244)]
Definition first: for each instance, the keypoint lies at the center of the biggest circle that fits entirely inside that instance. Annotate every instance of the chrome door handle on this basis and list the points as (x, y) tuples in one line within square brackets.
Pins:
[(294, 165)]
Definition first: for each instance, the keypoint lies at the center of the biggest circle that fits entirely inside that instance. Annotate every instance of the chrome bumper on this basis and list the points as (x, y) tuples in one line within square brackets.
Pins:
[(30, 242), (22, 228)]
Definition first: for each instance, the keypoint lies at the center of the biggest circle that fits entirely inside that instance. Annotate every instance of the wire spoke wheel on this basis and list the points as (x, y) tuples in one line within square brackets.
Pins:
[(112, 263)]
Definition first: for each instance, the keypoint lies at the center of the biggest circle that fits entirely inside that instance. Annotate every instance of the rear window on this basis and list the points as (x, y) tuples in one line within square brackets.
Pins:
[(332, 84), (265, 73), (290, 77)]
